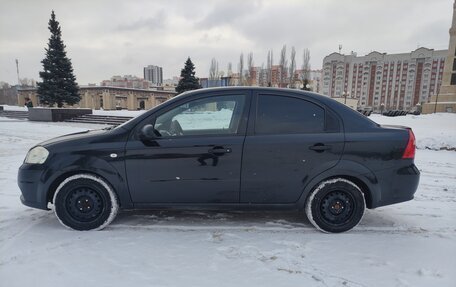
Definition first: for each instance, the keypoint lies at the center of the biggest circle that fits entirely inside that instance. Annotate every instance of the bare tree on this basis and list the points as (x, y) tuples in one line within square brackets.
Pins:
[(241, 69), (229, 69), (262, 75), (305, 68), (269, 65), (213, 70), (292, 67), (229, 74), (283, 65), (250, 68)]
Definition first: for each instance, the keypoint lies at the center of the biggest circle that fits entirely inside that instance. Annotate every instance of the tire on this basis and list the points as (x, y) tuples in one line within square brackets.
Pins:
[(85, 202), (335, 205)]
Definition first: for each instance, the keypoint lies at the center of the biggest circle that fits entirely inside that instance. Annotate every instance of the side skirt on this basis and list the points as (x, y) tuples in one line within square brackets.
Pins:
[(215, 206)]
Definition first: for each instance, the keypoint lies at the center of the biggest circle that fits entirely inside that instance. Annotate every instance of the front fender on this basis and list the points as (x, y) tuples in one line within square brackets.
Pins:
[(101, 164)]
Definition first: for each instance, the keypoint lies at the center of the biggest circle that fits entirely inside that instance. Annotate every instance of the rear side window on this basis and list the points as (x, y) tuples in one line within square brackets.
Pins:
[(286, 115)]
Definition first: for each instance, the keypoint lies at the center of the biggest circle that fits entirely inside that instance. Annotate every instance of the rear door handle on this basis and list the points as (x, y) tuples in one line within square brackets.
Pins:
[(319, 147), (219, 150)]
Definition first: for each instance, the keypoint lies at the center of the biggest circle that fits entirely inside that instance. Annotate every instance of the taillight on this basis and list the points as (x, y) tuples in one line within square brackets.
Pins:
[(410, 149)]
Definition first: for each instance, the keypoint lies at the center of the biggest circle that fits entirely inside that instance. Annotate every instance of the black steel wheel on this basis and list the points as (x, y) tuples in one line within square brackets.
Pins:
[(335, 205), (85, 202)]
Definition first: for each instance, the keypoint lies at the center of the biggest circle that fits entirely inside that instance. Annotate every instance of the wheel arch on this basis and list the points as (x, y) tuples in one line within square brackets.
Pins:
[(352, 171), (57, 181)]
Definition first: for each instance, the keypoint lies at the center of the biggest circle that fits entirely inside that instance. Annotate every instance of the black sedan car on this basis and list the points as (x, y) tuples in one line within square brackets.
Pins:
[(237, 148)]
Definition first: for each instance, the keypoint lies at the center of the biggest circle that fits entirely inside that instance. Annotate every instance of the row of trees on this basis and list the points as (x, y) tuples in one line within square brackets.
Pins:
[(59, 87), (286, 70)]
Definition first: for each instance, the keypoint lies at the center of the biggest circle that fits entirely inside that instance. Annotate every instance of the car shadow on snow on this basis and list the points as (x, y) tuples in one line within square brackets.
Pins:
[(237, 220), (212, 219), (189, 220)]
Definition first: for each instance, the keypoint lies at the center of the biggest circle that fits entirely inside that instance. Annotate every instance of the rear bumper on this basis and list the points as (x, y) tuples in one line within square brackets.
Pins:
[(397, 185), (34, 194)]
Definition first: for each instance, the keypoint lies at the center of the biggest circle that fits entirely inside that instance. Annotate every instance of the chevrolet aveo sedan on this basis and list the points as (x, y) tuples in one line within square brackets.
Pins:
[(227, 148)]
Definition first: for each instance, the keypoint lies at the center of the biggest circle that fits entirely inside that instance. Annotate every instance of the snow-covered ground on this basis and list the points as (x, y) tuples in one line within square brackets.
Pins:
[(409, 244), (121, 113), (14, 108)]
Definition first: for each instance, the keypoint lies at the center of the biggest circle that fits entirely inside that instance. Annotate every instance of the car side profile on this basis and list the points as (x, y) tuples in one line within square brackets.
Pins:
[(227, 148)]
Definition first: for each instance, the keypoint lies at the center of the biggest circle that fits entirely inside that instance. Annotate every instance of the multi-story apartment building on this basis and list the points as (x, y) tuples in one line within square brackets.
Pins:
[(379, 80), (154, 74), (127, 81), (279, 76)]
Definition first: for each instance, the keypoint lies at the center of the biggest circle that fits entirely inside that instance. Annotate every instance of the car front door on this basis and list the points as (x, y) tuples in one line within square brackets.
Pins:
[(290, 140), (196, 154)]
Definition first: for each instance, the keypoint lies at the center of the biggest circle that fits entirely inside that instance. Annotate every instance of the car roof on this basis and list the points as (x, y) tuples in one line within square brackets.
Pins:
[(353, 120)]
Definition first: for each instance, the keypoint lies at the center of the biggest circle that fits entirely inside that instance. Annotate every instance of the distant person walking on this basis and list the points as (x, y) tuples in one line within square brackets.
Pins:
[(28, 103)]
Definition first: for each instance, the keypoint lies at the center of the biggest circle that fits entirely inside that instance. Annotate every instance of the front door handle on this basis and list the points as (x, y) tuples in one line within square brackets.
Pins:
[(219, 150), (319, 147)]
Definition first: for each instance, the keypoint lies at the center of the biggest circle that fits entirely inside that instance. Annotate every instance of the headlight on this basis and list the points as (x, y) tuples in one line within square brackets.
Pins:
[(37, 155)]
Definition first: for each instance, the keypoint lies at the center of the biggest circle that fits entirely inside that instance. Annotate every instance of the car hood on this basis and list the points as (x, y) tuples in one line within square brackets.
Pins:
[(74, 137)]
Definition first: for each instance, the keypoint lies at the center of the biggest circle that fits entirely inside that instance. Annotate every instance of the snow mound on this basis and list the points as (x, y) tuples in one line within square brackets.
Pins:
[(433, 131)]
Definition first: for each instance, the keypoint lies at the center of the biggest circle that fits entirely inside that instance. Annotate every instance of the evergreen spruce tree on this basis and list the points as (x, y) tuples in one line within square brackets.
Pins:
[(188, 80), (59, 83)]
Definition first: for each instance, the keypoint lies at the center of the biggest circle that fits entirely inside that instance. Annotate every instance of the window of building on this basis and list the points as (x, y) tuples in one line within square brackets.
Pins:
[(294, 116), (453, 79), (454, 64)]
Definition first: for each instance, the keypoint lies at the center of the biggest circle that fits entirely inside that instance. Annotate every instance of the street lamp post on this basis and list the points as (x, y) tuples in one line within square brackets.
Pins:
[(345, 97), (435, 105)]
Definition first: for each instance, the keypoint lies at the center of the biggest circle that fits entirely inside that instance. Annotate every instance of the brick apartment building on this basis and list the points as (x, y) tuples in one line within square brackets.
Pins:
[(394, 81)]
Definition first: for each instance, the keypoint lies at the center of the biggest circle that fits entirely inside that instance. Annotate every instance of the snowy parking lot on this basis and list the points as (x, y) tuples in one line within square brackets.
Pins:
[(408, 244)]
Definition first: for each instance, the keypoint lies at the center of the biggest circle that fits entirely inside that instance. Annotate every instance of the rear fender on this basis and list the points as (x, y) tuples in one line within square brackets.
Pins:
[(350, 170)]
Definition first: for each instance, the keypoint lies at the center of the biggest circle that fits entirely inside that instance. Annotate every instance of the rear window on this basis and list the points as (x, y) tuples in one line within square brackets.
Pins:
[(287, 115)]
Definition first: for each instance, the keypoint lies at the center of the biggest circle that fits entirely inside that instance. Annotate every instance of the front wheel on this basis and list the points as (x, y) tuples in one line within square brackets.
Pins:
[(85, 202), (335, 205)]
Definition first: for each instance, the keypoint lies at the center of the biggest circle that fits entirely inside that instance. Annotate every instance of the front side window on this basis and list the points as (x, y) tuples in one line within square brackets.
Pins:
[(218, 115), (286, 115)]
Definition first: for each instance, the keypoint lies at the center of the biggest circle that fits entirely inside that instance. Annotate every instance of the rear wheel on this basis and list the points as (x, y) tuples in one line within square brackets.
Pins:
[(335, 205), (85, 202)]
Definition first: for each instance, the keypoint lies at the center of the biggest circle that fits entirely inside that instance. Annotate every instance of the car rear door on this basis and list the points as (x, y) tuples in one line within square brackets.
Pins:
[(290, 140)]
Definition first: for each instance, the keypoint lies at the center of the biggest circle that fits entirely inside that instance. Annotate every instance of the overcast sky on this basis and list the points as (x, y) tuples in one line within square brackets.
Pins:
[(106, 38)]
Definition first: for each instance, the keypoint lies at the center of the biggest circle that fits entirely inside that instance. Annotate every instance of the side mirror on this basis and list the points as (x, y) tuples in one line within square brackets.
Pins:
[(147, 132)]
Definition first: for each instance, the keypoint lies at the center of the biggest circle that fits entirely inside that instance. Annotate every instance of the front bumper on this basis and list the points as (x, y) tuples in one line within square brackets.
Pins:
[(30, 181)]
